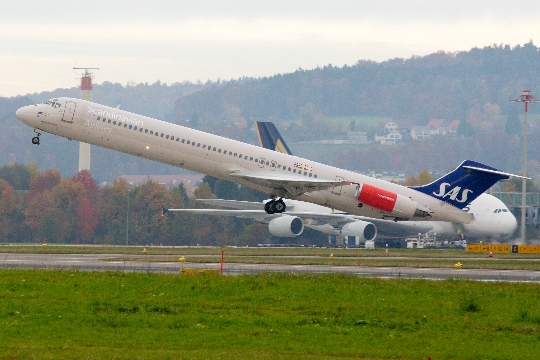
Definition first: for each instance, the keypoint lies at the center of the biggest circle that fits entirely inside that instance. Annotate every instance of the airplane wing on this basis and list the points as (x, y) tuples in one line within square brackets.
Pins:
[(252, 210), (400, 229), (292, 185), (233, 204), (257, 215), (385, 227)]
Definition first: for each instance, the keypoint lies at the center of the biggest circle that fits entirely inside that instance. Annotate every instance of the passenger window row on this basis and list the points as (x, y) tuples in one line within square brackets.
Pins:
[(210, 148)]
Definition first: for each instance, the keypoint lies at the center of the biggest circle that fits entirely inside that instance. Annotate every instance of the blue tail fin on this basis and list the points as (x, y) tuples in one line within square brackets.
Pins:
[(464, 184), (270, 138), (164, 210)]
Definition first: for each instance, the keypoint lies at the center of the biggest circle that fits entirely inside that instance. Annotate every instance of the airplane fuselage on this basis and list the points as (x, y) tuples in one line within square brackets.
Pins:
[(215, 155)]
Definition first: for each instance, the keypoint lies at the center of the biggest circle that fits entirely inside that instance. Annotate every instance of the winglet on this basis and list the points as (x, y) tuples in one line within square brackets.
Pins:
[(164, 210), (464, 184)]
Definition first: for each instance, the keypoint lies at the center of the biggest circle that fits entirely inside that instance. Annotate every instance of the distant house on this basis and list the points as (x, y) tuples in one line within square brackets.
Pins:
[(353, 137), (392, 138), (391, 134), (357, 137), (391, 126), (387, 176), (419, 132), (436, 127), (454, 124), (439, 127)]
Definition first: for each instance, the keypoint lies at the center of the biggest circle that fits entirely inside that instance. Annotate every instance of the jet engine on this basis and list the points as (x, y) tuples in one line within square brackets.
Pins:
[(396, 205), (286, 226), (363, 229)]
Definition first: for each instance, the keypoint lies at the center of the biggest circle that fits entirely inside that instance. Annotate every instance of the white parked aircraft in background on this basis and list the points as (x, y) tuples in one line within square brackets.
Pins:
[(280, 175), (492, 219)]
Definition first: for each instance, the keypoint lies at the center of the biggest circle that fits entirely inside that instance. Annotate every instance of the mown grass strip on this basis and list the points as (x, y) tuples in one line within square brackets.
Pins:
[(91, 315), (236, 251)]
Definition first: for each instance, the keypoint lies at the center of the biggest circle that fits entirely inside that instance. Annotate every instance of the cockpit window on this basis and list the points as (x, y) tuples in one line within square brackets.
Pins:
[(53, 103)]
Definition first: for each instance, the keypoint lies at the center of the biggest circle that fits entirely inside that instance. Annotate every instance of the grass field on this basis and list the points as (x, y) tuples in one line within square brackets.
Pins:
[(252, 251), (90, 315), (363, 123)]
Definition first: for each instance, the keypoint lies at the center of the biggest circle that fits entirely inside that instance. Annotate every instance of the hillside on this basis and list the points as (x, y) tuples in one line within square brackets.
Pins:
[(440, 85), (324, 103)]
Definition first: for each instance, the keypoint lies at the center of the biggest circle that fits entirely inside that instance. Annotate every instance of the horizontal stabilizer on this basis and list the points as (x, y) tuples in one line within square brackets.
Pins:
[(164, 210)]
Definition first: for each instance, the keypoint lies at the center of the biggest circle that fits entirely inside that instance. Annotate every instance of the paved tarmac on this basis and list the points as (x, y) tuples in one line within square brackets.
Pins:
[(106, 262)]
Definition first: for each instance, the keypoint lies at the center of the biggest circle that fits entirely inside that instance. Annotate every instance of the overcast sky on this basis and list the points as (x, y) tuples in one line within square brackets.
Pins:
[(173, 41)]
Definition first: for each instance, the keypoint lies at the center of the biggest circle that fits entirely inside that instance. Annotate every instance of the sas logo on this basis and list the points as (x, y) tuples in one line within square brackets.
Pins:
[(452, 194)]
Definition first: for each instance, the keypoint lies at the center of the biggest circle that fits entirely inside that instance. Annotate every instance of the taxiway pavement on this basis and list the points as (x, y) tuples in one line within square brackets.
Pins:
[(108, 262)]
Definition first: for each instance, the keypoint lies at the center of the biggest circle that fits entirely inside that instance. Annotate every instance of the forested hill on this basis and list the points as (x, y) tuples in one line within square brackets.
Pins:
[(472, 86), (441, 85)]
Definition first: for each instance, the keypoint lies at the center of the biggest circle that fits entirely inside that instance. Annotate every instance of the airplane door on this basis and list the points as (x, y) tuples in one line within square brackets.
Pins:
[(337, 190), (69, 112), (273, 165)]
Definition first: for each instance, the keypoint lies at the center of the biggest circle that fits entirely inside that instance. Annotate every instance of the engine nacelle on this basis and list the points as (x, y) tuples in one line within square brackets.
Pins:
[(286, 226), (396, 205), (363, 229)]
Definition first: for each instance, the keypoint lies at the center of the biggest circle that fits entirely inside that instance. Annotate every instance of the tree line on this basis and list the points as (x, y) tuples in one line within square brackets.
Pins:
[(43, 207)]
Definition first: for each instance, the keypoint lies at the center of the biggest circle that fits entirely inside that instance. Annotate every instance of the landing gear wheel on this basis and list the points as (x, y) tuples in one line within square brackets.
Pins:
[(279, 206), (35, 140), (275, 206), (269, 207)]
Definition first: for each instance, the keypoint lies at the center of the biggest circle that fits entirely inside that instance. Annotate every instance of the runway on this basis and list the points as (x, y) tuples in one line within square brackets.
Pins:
[(105, 262)]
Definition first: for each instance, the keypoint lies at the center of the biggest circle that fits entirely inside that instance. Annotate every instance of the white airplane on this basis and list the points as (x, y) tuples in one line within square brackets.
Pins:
[(492, 220), (280, 175)]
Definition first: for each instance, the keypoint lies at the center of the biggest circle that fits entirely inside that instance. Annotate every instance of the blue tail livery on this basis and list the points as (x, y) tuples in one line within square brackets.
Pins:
[(270, 138), (164, 210), (464, 184)]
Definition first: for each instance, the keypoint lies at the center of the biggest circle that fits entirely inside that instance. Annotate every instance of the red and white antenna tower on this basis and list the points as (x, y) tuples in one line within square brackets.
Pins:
[(86, 94)]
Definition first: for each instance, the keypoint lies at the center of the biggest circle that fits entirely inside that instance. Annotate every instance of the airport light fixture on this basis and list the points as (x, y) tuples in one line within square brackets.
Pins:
[(525, 98)]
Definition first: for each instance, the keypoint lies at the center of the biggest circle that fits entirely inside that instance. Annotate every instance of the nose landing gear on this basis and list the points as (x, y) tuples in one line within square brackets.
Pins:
[(35, 139)]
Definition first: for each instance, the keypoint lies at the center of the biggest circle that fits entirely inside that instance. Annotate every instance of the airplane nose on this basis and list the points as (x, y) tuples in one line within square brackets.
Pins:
[(19, 113), (23, 114), (510, 224)]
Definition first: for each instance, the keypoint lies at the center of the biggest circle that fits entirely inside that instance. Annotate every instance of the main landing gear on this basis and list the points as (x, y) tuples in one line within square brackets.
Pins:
[(35, 139), (275, 206)]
